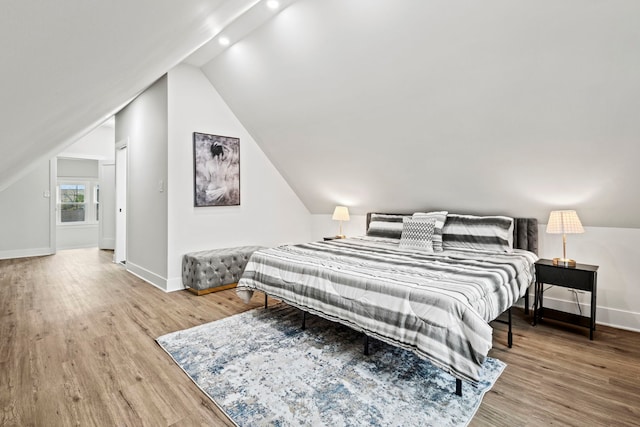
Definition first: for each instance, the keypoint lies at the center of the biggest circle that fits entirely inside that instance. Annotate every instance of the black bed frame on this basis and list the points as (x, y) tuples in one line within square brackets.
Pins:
[(525, 236)]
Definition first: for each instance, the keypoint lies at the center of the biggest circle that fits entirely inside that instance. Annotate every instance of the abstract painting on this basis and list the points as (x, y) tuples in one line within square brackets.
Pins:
[(216, 161)]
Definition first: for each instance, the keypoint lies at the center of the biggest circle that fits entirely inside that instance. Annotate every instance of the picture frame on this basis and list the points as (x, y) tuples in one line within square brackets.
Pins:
[(216, 170)]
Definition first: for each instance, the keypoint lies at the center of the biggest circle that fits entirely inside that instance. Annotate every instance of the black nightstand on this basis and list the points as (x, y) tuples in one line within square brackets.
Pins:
[(581, 277), (332, 238)]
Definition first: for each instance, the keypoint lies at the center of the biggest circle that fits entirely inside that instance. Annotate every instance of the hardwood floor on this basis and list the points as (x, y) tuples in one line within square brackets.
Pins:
[(77, 348)]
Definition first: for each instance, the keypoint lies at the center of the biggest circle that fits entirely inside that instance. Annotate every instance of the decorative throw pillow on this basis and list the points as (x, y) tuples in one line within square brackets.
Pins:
[(489, 233), (440, 218), (417, 233), (385, 225)]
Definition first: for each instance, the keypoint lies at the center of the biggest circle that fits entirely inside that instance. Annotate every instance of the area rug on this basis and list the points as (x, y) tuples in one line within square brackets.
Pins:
[(261, 368)]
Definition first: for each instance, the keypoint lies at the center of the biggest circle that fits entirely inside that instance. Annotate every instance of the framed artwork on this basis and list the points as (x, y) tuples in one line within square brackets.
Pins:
[(216, 164)]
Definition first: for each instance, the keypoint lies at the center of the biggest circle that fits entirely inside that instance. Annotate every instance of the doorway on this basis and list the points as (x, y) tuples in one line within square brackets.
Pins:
[(106, 197), (120, 250)]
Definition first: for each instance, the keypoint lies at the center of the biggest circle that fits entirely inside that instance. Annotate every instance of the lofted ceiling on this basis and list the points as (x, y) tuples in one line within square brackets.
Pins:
[(472, 106), (492, 106), (68, 65)]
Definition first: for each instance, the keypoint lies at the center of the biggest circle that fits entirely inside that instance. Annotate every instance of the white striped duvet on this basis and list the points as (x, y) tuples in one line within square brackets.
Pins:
[(437, 305)]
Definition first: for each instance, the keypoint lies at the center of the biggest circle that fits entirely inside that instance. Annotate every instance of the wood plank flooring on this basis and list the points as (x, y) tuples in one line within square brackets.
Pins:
[(77, 348)]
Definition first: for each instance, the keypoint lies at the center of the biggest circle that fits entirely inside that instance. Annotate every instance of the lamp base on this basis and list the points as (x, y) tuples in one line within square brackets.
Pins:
[(340, 236), (564, 262)]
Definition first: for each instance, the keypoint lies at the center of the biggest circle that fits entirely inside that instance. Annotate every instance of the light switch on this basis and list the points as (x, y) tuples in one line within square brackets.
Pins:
[(46, 194)]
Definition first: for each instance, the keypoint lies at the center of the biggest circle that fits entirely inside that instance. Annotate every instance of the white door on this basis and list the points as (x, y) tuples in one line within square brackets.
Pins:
[(120, 252), (107, 206)]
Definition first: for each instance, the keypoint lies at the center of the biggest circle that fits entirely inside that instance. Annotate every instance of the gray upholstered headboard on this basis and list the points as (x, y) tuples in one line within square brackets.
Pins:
[(525, 232)]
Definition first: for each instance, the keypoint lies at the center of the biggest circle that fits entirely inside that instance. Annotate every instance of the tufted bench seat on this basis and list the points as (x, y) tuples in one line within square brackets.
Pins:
[(216, 269)]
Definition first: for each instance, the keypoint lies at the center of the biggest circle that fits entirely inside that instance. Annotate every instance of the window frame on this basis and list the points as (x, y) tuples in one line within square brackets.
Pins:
[(95, 200)]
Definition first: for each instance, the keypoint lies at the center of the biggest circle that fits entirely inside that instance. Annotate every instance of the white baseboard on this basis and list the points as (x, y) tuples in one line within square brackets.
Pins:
[(175, 284), (148, 276), (107, 243), (84, 246), (167, 285), (613, 317), (621, 319), (24, 253)]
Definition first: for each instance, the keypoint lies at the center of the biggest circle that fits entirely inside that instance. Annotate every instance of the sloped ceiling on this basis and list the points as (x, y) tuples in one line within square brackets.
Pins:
[(67, 65), (474, 106), (492, 106)]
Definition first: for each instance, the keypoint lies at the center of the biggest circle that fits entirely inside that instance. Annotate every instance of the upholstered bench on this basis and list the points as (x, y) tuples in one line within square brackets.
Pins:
[(216, 269)]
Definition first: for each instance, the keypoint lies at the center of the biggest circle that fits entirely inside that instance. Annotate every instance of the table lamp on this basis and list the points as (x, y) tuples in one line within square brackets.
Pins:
[(341, 213), (564, 222)]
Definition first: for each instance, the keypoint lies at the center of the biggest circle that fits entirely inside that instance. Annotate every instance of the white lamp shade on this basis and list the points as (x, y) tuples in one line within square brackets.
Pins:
[(564, 222), (341, 213)]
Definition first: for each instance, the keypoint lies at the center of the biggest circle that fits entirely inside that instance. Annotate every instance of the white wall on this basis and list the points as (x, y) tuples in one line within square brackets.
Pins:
[(76, 236), (25, 221), (269, 213), (97, 144), (77, 168), (144, 123)]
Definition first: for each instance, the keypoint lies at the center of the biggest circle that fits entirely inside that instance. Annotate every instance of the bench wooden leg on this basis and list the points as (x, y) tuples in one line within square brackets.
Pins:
[(200, 292)]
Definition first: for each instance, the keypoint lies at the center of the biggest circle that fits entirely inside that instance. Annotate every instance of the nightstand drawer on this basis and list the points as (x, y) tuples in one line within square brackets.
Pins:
[(568, 277)]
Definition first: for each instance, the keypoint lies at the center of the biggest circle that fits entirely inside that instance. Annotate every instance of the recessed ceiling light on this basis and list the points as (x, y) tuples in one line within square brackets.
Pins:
[(273, 4), (224, 41)]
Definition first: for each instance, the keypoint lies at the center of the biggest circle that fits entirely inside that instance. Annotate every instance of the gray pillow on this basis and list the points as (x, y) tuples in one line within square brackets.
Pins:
[(385, 225), (417, 233), (489, 233), (440, 218)]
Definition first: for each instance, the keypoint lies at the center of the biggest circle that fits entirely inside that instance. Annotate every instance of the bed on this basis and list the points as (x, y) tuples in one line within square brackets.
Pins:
[(435, 303)]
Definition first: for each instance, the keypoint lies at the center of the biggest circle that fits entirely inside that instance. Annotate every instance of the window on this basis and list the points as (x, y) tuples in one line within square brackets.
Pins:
[(96, 200), (77, 202), (72, 206)]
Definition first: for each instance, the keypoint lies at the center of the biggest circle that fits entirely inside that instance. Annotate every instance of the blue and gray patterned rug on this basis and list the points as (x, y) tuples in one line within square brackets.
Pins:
[(260, 368)]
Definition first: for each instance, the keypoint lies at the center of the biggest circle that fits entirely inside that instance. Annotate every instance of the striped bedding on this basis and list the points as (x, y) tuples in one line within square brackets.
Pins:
[(437, 305)]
